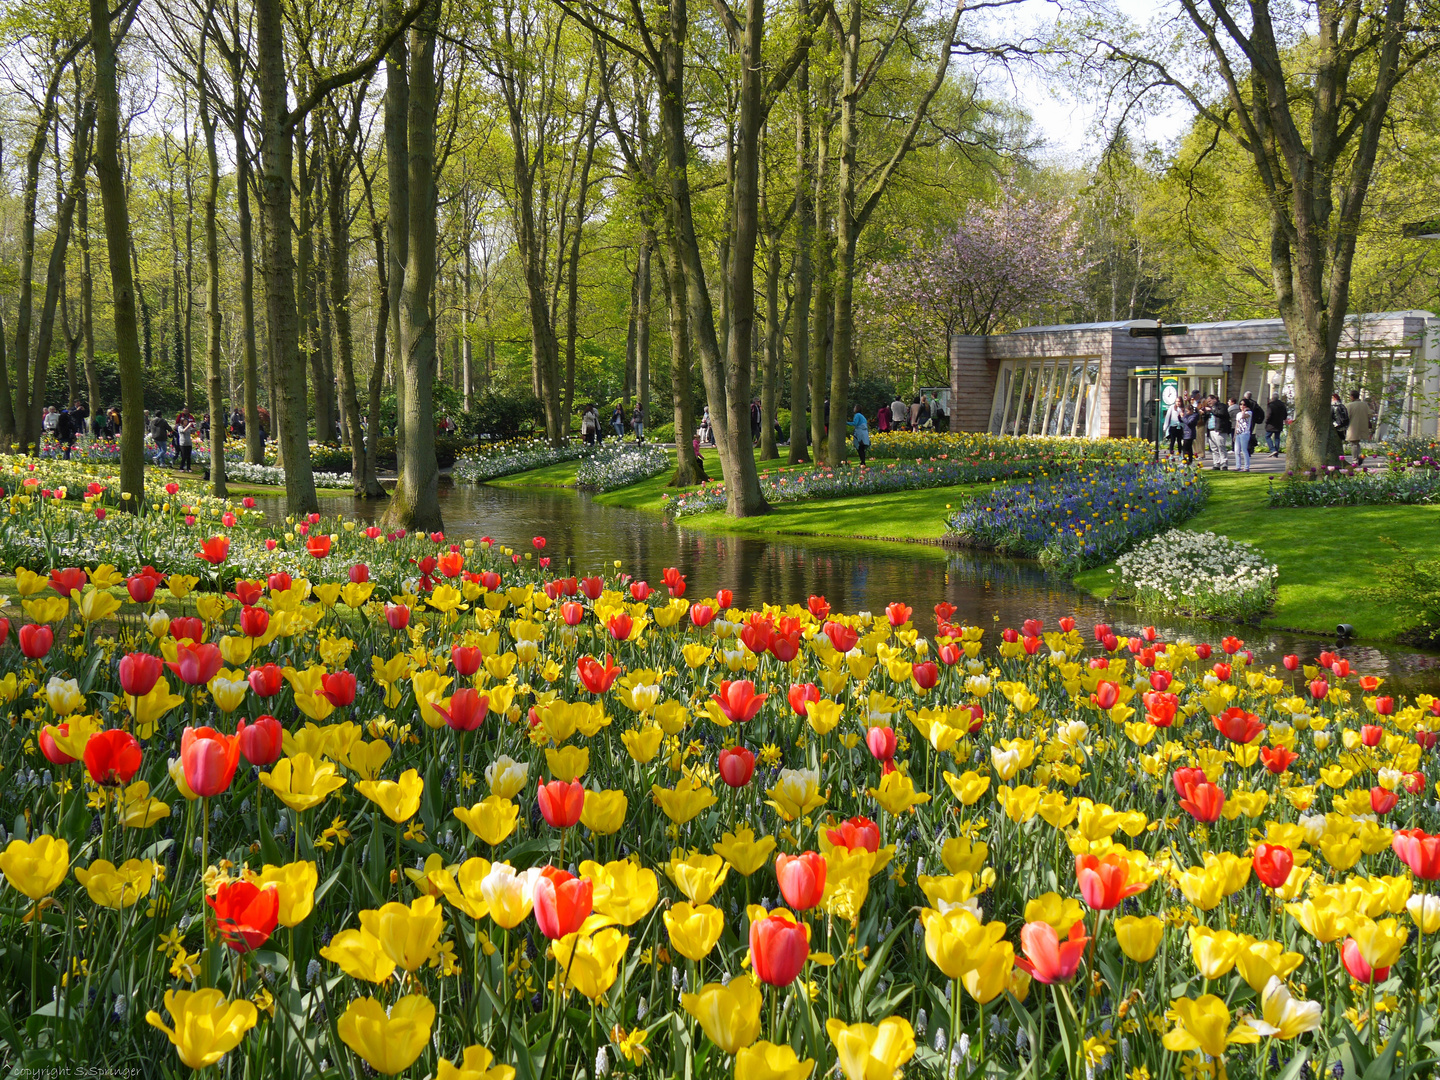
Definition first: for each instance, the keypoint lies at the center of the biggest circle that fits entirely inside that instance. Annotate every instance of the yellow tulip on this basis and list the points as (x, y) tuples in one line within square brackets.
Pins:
[(1285, 1017), (181, 584), (429, 687), (685, 800), (510, 895), (604, 811), (28, 583), (796, 793), (896, 793), (137, 809), (1380, 942), (590, 958), (1139, 936), (1260, 961), (150, 708), (47, 609), (769, 1061), (1424, 911), (1203, 886), (964, 856), (476, 1065), (36, 867), (228, 693), (694, 930), (990, 977), (300, 783), (465, 888), (729, 1015), (360, 955), (968, 786), (1019, 803), (95, 604), (697, 876), (72, 743), (294, 884), (398, 799), (1204, 1025), (492, 819), (568, 763), (1323, 917), (388, 1044), (622, 891), (956, 941), (409, 933), (506, 778), (824, 715), (1214, 951), (643, 743), (207, 1027), (872, 1051), (113, 886), (743, 852), (63, 695), (236, 649), (1051, 908)]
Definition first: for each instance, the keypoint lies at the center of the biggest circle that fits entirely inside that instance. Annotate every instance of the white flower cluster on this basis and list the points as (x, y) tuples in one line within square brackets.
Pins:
[(272, 474), (616, 467), (1197, 573)]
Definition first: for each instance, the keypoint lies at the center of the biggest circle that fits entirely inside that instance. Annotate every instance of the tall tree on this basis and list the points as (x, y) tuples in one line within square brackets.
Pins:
[(214, 390)]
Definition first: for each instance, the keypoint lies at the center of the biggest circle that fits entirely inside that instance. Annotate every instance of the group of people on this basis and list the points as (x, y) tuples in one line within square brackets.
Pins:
[(592, 433), (1227, 426), (922, 414)]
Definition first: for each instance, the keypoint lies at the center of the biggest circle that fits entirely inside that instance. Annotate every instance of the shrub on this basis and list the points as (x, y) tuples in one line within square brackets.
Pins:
[(1196, 573), (1400, 483), (1410, 585)]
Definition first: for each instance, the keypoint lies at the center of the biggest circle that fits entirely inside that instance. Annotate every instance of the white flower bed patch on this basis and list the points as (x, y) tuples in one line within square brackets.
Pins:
[(609, 468), (1197, 573), (273, 474)]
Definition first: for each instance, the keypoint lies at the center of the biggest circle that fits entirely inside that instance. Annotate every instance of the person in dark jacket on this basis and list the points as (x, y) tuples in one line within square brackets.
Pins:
[(1257, 418), (1189, 419), (1218, 430), (1275, 416)]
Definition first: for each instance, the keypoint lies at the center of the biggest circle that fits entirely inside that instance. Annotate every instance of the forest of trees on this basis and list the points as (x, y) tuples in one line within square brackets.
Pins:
[(370, 216)]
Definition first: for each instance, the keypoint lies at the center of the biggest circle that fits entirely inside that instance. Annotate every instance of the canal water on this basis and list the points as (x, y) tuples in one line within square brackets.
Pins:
[(584, 537)]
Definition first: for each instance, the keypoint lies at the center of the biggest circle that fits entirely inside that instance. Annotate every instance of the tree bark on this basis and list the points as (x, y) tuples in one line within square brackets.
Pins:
[(572, 274), (254, 443), (824, 249), (681, 395), (111, 182), (800, 361), (397, 223), (214, 389)]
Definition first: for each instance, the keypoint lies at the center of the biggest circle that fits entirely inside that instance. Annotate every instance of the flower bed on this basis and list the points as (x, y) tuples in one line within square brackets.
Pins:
[(1080, 519), (610, 467), (1195, 573), (514, 456), (975, 445), (1417, 482), (243, 472), (336, 835)]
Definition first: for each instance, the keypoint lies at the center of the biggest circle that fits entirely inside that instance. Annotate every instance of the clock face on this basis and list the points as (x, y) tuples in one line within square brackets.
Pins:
[(1170, 394)]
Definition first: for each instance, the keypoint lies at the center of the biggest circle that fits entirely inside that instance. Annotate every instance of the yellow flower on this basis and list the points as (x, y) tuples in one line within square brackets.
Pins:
[(622, 891), (408, 933), (896, 793), (63, 695), (642, 743), (796, 793), (1204, 1025), (1214, 951), (429, 687), (1260, 961), (1323, 916), (603, 812), (743, 852), (990, 976), (181, 584), (95, 604), (295, 887), (137, 809), (1285, 1017), (465, 888), (956, 941), (476, 1065), (872, 1051), (1203, 886), (568, 763), (961, 855), (116, 887), (1380, 943), (684, 800), (150, 708), (388, 1044), (729, 1015), (510, 895), (207, 1027), (28, 583), (590, 958), (228, 693), (360, 955), (1139, 936), (300, 783), (398, 799), (47, 609), (769, 1061), (824, 715), (968, 786), (1019, 803), (492, 819), (506, 777), (694, 930), (38, 867), (697, 876)]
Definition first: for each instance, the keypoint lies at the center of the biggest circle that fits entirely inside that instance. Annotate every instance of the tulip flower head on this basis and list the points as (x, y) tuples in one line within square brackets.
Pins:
[(209, 759), (112, 757), (779, 945), (1046, 958), (245, 914)]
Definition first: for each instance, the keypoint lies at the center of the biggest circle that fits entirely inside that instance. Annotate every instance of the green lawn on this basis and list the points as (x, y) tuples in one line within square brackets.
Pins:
[(1326, 556)]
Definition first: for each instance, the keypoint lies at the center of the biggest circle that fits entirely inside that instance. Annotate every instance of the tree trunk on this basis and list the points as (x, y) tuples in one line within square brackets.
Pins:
[(681, 397), (415, 503), (282, 329), (189, 273), (117, 241), (642, 334), (309, 335), (846, 232), (254, 444), (214, 389), (800, 361), (824, 248), (87, 301), (397, 223), (572, 276), (339, 275), (774, 335), (467, 347)]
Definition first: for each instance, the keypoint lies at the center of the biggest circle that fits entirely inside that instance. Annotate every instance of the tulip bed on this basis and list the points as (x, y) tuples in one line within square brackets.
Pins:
[(413, 808)]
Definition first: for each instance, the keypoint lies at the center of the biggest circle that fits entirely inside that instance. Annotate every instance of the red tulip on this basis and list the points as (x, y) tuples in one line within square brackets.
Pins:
[(1237, 725), (338, 688), (1414, 782), (215, 550), (1370, 734), (1318, 689), (279, 582), (112, 757), (620, 626), (1105, 882), (592, 587), (1277, 759), (596, 676), (248, 592), (842, 637), (882, 742), (736, 765), (1066, 624), (52, 752), (254, 621), (196, 665), (67, 580), (926, 674), (1384, 706), (1203, 801), (800, 696), (318, 546), (359, 573), (640, 590), (738, 700), (139, 672), (1032, 627), (1160, 707), (785, 647), (1272, 864), (898, 613), (779, 947), (858, 832), (1045, 958), (819, 606), (35, 640), (950, 654), (1355, 964), (1110, 642), (1106, 695), (1010, 635), (266, 680), (451, 563), (801, 878), (1427, 739), (1203, 650), (262, 741), (209, 759), (397, 615), (1222, 672), (1184, 777), (1101, 631), (187, 627), (561, 803), (755, 636), (539, 543), (701, 615), (562, 902), (724, 598), (245, 914), (1160, 681), (1418, 850), (1341, 668), (141, 587), (466, 659), (572, 613), (1291, 662), (466, 711), (1382, 801)]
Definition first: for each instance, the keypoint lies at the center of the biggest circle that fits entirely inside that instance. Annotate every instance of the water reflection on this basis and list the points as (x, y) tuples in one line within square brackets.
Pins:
[(585, 537)]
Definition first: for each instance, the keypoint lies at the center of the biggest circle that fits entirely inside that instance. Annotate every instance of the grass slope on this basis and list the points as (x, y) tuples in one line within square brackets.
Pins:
[(1327, 556)]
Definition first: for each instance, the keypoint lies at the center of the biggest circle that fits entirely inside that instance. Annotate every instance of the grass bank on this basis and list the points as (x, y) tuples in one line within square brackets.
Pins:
[(1327, 555)]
